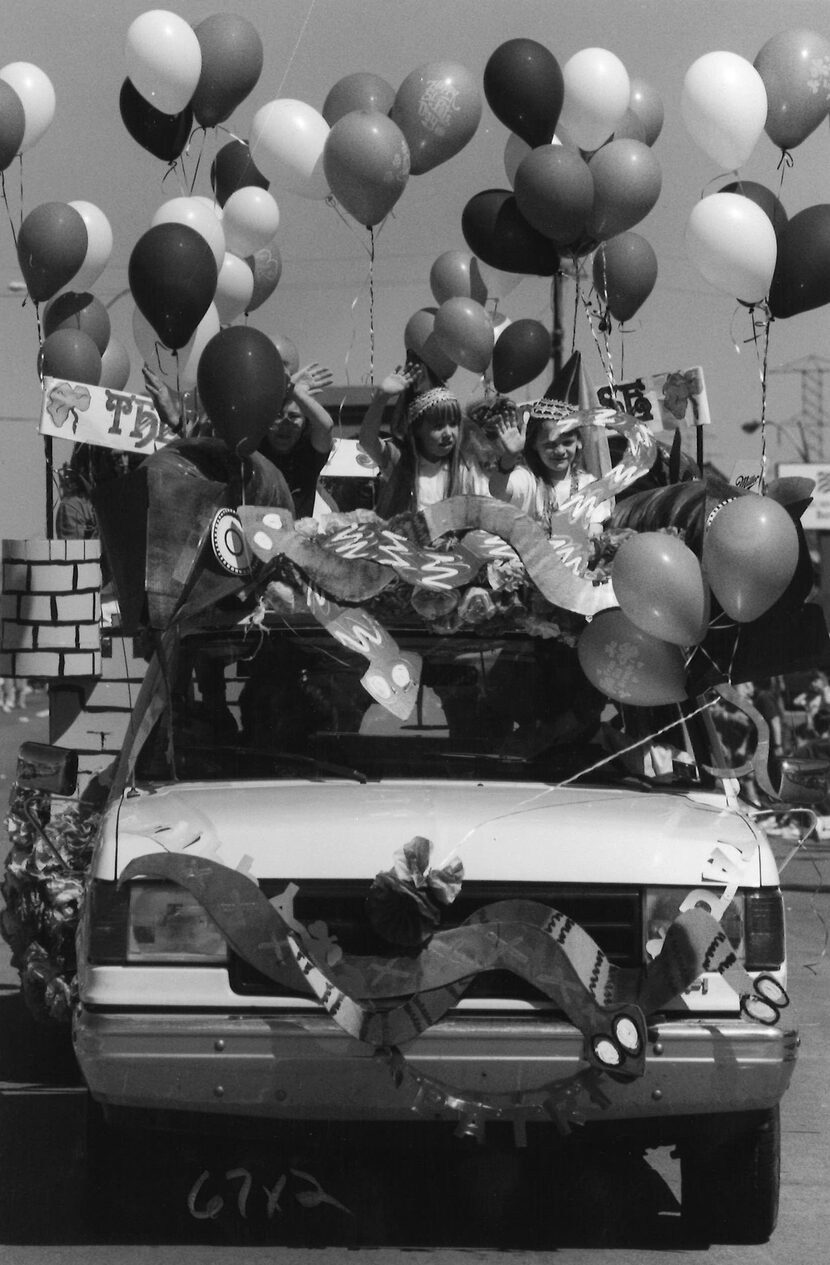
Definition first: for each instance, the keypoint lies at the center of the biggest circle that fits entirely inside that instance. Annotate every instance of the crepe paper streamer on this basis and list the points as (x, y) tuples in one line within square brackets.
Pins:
[(446, 568)]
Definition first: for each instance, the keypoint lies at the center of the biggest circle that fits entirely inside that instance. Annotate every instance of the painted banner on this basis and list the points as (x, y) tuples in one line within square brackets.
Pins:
[(665, 400), (98, 415)]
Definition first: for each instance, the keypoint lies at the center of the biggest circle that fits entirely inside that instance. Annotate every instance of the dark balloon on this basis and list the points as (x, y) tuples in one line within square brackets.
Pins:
[(12, 124), (232, 169), (172, 274), (762, 197), (554, 191), (521, 353), (232, 57), (241, 383), (78, 311), (498, 234), (801, 280), (625, 270), (524, 88), (51, 247), (162, 135), (70, 353)]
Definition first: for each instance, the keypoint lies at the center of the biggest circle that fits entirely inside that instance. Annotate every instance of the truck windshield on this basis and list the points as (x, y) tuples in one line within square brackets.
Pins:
[(293, 702)]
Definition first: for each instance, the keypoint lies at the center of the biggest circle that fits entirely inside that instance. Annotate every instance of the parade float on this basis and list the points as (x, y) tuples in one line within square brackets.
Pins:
[(425, 818)]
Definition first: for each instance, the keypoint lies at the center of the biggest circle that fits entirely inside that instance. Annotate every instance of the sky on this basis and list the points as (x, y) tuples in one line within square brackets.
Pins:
[(337, 305)]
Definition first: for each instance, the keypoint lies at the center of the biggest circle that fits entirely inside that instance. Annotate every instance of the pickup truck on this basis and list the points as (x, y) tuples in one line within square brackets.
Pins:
[(491, 907)]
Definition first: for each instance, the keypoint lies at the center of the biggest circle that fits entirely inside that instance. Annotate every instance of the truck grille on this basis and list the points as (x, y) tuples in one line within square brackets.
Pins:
[(612, 917)]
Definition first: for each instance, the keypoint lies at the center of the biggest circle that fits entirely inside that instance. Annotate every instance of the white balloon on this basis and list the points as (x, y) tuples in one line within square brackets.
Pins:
[(37, 96), (724, 106), (234, 288), (99, 248), (164, 59), (732, 242), (286, 143), (250, 218), (178, 369), (199, 214), (497, 283), (596, 96)]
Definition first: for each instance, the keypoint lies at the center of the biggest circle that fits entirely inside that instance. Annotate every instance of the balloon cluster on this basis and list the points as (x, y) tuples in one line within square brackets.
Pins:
[(740, 238), (637, 652)]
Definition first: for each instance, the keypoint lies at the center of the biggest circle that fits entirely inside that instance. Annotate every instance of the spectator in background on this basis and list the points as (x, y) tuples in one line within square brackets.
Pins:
[(299, 441)]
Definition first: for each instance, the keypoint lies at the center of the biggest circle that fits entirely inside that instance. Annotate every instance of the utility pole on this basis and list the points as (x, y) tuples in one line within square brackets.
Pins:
[(810, 422)]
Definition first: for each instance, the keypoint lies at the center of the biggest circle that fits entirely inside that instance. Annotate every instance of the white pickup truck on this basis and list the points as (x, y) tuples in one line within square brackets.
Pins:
[(302, 907)]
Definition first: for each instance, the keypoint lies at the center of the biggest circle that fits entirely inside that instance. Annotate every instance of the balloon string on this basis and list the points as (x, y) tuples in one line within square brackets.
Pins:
[(296, 47), (786, 160), (371, 306), (607, 364), (199, 158), (763, 375), (8, 208), (20, 161)]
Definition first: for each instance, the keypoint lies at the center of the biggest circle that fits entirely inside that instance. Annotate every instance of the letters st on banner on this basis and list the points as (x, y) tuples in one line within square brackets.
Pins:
[(84, 414), (666, 401)]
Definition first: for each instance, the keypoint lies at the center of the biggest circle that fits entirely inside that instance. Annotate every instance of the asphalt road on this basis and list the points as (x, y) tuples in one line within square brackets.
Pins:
[(301, 1195)]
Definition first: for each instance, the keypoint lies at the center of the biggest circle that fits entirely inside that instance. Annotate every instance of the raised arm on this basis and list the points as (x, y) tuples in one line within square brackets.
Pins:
[(303, 387), (370, 438), (510, 437)]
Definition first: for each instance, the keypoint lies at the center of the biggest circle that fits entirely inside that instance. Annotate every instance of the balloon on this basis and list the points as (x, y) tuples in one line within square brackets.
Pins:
[(51, 246), (232, 56), (465, 332), (288, 354), (359, 91), (646, 104), (630, 665), (177, 367), (232, 169), (631, 128), (172, 274), (266, 266), (792, 68), (234, 288), (660, 588), (724, 106), (522, 351), (498, 234), (163, 59), (366, 164), (554, 192), (70, 353), (498, 284), (500, 324), (78, 310), (241, 382), (750, 552), (801, 280), (250, 220), (597, 94), (732, 243), (36, 95), (624, 271), (627, 183), (438, 108), (456, 274), (199, 215), (99, 245), (762, 197), (524, 88), (419, 338), (162, 135), (115, 366), (286, 143), (12, 124)]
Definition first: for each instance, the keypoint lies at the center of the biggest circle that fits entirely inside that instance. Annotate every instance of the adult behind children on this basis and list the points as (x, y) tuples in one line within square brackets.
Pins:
[(299, 441), (433, 452), (551, 473)]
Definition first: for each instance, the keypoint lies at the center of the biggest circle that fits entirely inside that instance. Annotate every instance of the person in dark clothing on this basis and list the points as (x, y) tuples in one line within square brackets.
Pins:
[(299, 441)]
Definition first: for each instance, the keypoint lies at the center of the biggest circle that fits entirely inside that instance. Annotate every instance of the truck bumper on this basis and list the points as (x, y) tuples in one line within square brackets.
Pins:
[(303, 1067)]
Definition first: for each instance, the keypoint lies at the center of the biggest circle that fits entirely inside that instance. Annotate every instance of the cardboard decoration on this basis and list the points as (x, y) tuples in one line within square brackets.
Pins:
[(86, 414), (51, 607)]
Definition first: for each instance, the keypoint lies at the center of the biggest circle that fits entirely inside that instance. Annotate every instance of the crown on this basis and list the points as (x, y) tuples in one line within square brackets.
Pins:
[(429, 399)]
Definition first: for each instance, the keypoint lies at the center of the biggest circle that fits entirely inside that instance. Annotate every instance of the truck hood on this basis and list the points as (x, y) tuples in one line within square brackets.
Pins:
[(500, 831)]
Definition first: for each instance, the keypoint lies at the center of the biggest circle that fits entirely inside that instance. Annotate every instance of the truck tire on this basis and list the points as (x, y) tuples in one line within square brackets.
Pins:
[(730, 1176)]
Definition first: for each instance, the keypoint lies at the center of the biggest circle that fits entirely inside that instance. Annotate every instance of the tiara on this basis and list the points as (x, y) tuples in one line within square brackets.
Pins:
[(547, 410), (428, 399)]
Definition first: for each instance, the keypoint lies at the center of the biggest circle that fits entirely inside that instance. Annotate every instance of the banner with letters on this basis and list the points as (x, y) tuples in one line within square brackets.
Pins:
[(86, 414), (666, 401)]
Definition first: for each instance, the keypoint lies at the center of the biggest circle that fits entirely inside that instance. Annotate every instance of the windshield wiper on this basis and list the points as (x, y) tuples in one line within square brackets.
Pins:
[(286, 757)]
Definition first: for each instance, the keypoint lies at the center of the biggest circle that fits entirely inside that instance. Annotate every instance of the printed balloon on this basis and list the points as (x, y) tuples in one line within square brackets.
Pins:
[(366, 164), (359, 91), (266, 266), (732, 243), (162, 135), (801, 280), (232, 169), (624, 273), (438, 108), (51, 247), (522, 351), (498, 234), (172, 274), (794, 67), (72, 354), (724, 106), (630, 665), (659, 586), (232, 57), (241, 382), (81, 311), (524, 88), (750, 552)]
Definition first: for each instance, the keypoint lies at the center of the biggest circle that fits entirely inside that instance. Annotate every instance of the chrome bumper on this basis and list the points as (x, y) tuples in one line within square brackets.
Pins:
[(303, 1067)]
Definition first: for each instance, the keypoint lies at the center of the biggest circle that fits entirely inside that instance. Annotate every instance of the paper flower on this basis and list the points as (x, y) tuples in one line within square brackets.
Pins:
[(404, 903)]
